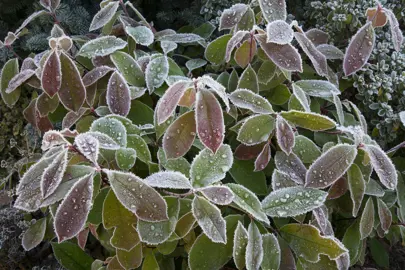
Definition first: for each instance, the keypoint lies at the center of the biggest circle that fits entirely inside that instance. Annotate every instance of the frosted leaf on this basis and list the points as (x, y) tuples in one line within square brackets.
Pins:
[(239, 246), (220, 195), (307, 241), (339, 109), (210, 120), (254, 248), (317, 58), (180, 135), (29, 19), (72, 213), (318, 88), (383, 166), (246, 152), (215, 87), (88, 146), (19, 79), (118, 99), (71, 117), (170, 99), (52, 176), (57, 31), (249, 80), (359, 117), (400, 197), (69, 133), (216, 49), (28, 63), (112, 128), (168, 179), (46, 105), (357, 187), (396, 33), (130, 259), (141, 34), (246, 99), (34, 235), (185, 225), (153, 233), (10, 69), (271, 252), (96, 74), (321, 217), (279, 32), (168, 46), (139, 145), (285, 135), (402, 117), (104, 15), (374, 189), (330, 166), (105, 142), (273, 10), (210, 220), (53, 138), (359, 50), (232, 16), (208, 168), (367, 219), (195, 63), (237, 38), (293, 201), (72, 92), (330, 51), (102, 46), (156, 72), (291, 165), (248, 201), (301, 96), (281, 180), (317, 37), (263, 158), (182, 38), (137, 196), (82, 238), (305, 149), (308, 120), (256, 129), (172, 79), (136, 92), (179, 164), (125, 158), (129, 68), (384, 213), (245, 53), (266, 72), (284, 56)]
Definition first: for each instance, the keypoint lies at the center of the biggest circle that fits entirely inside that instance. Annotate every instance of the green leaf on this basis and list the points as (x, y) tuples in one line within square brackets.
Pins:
[(156, 72), (339, 109), (246, 99), (117, 217), (293, 201), (129, 68), (281, 180), (305, 149), (301, 97), (379, 253), (273, 10), (243, 173), (102, 46), (266, 72), (307, 120), (139, 145), (150, 263), (125, 158), (185, 224), (256, 129), (233, 81), (248, 80), (215, 51), (244, 54), (141, 34), (10, 69), (374, 189), (180, 164), (383, 166), (357, 187), (208, 168), (367, 219), (71, 256), (279, 95), (384, 214), (112, 128), (218, 253), (247, 21), (130, 259), (330, 166), (209, 219), (195, 63), (168, 179), (248, 201), (318, 88), (34, 235), (95, 215), (307, 242), (351, 240), (254, 248), (240, 242), (271, 252), (104, 15)]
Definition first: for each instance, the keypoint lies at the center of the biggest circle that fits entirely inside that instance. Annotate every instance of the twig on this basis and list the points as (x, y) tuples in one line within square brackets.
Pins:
[(395, 148)]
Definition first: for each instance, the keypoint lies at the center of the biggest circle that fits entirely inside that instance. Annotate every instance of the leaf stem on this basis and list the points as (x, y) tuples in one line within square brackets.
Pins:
[(395, 148)]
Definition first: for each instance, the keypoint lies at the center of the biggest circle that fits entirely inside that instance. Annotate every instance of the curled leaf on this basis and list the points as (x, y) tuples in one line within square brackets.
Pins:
[(237, 38)]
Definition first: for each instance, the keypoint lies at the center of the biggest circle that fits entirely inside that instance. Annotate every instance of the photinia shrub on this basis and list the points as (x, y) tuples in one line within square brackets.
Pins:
[(174, 151)]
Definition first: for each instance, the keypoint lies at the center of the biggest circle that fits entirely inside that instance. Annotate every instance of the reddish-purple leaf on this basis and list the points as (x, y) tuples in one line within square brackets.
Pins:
[(317, 58), (291, 165), (321, 217), (396, 33), (118, 96), (284, 56), (19, 79), (233, 42), (210, 120), (285, 135), (43, 123), (82, 238), (338, 189), (46, 105), (95, 74), (53, 138), (263, 158), (384, 214), (52, 176), (221, 195), (52, 74), (72, 92), (359, 50), (72, 212), (246, 152), (231, 16), (169, 101), (317, 36), (180, 135), (71, 118)]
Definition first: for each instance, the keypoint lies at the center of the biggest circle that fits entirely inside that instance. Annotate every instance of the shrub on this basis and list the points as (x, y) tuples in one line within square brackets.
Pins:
[(247, 158)]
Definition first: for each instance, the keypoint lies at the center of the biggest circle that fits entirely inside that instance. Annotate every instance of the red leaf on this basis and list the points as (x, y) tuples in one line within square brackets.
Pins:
[(285, 135), (96, 74), (246, 152), (43, 123), (51, 74), (210, 120), (263, 158), (317, 58), (118, 96), (317, 36), (180, 135), (338, 189), (71, 118), (29, 113), (82, 238)]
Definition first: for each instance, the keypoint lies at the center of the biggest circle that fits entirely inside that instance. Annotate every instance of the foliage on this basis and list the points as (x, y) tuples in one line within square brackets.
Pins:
[(206, 162)]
